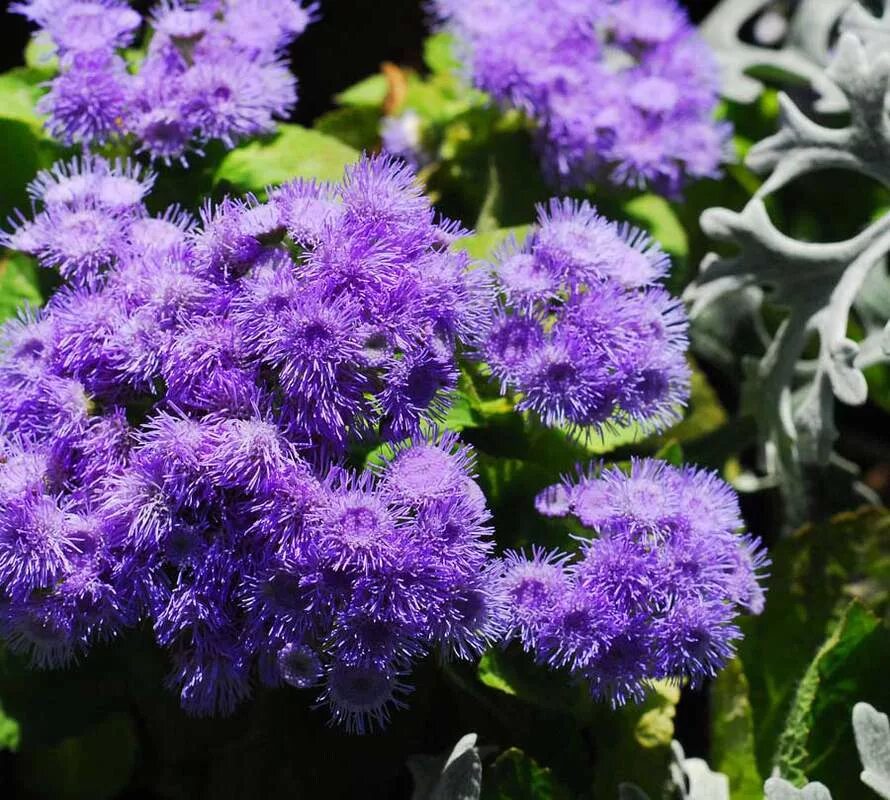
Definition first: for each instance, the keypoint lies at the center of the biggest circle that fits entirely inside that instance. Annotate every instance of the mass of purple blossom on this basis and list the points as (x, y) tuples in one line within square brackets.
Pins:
[(211, 70), (583, 330), (620, 89), (178, 429), (653, 595)]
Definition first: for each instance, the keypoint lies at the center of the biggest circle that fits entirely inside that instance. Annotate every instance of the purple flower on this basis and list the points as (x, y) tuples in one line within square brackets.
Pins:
[(206, 74), (181, 425), (88, 99), (582, 331), (623, 90), (653, 593), (532, 586), (175, 426), (401, 136)]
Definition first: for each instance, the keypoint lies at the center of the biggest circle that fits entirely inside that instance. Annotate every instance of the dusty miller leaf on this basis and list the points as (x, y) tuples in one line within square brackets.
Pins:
[(818, 284), (872, 730), (780, 789), (802, 55), (695, 780), (459, 778)]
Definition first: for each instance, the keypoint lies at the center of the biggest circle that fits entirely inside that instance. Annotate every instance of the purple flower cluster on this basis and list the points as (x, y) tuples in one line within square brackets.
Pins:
[(174, 425), (179, 428), (653, 595), (584, 331), (211, 70), (619, 88)]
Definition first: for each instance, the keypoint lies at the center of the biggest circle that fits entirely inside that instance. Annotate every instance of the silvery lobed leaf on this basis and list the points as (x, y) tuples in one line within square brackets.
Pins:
[(872, 731), (819, 285), (780, 789), (803, 53), (457, 777)]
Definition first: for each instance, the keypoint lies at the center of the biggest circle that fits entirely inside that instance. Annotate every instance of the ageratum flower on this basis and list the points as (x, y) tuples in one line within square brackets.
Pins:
[(652, 594), (622, 89), (584, 332), (176, 425), (211, 72), (173, 425)]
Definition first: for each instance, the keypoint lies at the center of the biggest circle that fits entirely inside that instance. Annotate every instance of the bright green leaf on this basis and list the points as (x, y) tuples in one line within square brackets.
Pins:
[(438, 53), (672, 452), (40, 55), (732, 732), (18, 284), (19, 93), (481, 246), (10, 733), (293, 152), (369, 92), (655, 215)]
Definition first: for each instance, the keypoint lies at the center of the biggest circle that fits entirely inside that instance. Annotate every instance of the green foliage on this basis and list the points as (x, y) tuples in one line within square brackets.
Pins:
[(292, 152), (817, 742), (818, 647), (10, 734), (513, 672), (515, 776), (18, 284), (732, 738), (24, 149)]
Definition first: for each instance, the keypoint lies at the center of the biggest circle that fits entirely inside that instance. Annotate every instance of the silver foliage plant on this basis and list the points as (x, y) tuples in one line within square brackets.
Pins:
[(820, 284), (802, 56), (693, 780)]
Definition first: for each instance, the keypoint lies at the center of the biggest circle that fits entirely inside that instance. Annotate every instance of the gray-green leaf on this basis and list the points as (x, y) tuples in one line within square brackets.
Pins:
[(780, 789), (872, 730)]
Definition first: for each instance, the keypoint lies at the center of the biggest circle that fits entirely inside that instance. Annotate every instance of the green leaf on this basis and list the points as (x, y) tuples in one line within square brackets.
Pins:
[(24, 148), (40, 56), (814, 575), (516, 776), (293, 152), (515, 673), (368, 92), (817, 741), (655, 215), (598, 443), (732, 732), (356, 126), (19, 93), (18, 284), (481, 246), (672, 452), (96, 765), (10, 733), (438, 53)]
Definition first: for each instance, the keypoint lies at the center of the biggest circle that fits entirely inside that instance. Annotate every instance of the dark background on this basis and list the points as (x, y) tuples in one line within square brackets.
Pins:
[(348, 43)]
